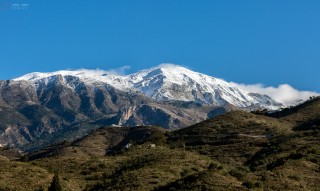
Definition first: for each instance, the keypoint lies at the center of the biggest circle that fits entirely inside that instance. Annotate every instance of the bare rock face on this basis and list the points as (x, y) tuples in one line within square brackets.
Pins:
[(15, 94), (155, 114)]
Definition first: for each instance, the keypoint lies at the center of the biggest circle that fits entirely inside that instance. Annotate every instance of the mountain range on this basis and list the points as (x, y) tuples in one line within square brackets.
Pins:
[(38, 109)]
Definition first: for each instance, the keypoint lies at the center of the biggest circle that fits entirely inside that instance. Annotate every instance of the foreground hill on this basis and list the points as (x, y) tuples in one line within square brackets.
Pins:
[(234, 151)]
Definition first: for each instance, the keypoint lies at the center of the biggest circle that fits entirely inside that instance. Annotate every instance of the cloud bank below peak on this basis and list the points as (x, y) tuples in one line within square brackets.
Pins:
[(284, 93)]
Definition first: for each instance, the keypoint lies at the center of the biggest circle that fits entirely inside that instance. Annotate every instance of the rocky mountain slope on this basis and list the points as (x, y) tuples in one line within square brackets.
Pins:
[(54, 112)]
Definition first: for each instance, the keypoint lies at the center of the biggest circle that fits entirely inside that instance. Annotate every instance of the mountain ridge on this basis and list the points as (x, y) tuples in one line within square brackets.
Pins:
[(164, 82)]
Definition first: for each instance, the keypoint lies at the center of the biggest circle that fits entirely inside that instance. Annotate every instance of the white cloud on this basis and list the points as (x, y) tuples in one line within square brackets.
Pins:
[(284, 93), (117, 71)]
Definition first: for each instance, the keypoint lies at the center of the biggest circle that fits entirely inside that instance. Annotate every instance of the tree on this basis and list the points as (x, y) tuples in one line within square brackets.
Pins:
[(55, 184)]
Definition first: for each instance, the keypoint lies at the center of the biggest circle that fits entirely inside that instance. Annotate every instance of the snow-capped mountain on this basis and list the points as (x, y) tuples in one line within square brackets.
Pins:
[(163, 83), (66, 105)]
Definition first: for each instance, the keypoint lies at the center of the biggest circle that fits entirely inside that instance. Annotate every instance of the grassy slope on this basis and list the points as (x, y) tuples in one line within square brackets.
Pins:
[(287, 158), (139, 168), (22, 176)]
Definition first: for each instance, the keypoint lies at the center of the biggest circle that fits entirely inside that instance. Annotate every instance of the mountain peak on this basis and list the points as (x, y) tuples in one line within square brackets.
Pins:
[(168, 66), (174, 69)]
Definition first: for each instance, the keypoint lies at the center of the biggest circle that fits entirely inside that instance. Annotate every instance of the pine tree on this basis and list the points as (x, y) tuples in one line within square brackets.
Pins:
[(55, 184)]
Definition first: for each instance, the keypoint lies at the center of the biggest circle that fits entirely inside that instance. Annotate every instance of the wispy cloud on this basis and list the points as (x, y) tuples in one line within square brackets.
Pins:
[(117, 71), (284, 93)]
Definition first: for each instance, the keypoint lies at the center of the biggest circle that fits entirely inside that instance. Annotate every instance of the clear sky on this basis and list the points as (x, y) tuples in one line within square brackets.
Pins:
[(248, 41)]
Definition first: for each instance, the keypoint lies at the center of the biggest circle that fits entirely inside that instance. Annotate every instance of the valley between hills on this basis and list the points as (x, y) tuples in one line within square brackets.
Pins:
[(238, 150)]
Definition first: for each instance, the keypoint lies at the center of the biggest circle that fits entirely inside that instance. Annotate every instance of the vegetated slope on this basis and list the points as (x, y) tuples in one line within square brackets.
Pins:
[(117, 158), (235, 151), (273, 153), (230, 138), (104, 141), (305, 115), (22, 176)]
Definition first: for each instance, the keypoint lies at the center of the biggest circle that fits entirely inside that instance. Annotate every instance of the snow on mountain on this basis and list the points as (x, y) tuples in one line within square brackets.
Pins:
[(164, 82)]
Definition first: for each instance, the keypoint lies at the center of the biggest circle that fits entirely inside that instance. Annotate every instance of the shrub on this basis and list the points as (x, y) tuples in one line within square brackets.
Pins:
[(237, 174), (55, 184), (249, 185), (294, 177)]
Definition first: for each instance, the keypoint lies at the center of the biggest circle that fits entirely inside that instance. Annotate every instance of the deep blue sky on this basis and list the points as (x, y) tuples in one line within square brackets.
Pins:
[(248, 41)]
